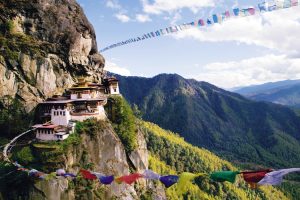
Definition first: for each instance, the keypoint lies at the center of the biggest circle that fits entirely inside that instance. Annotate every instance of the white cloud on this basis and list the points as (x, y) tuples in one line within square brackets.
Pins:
[(250, 71), (114, 68), (114, 4), (122, 17), (160, 6), (143, 18), (276, 30)]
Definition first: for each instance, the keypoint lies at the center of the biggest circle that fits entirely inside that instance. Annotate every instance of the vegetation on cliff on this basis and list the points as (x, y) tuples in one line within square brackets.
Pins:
[(12, 43), (124, 122), (13, 117)]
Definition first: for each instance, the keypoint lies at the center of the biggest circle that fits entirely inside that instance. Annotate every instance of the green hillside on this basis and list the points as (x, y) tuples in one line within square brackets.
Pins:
[(170, 154), (238, 129)]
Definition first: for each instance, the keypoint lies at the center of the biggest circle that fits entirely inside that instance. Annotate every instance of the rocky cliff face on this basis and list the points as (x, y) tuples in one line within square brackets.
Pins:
[(105, 150), (45, 45)]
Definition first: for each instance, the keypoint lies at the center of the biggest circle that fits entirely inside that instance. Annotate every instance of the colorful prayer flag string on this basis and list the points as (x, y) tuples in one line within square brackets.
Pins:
[(253, 178), (215, 18)]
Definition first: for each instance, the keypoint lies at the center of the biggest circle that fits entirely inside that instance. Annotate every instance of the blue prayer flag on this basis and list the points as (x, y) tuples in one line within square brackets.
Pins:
[(236, 11), (69, 175), (169, 180), (208, 22), (262, 7), (106, 180), (215, 18)]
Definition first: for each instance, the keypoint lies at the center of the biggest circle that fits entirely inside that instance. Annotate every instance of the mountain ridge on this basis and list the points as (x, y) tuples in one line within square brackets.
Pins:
[(226, 123), (282, 92)]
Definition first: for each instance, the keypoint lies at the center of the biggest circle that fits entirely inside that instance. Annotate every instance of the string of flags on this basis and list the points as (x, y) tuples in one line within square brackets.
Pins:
[(253, 178), (266, 6)]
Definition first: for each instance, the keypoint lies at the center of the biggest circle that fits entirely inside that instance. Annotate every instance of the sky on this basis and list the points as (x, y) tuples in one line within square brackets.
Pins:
[(239, 52)]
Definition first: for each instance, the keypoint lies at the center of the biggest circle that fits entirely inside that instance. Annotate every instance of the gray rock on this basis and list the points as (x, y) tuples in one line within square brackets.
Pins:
[(67, 49)]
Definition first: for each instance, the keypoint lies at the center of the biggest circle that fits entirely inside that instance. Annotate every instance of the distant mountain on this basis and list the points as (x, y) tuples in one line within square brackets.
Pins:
[(283, 92), (224, 122), (255, 89)]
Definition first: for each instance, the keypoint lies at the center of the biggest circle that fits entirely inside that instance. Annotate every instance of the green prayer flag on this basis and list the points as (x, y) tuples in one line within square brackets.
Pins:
[(222, 176)]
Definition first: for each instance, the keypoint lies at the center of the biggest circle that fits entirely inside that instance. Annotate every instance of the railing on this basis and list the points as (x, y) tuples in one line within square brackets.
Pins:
[(9, 146)]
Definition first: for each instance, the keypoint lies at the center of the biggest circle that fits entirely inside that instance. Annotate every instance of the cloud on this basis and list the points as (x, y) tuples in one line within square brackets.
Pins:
[(114, 4), (160, 6), (122, 17), (143, 18), (250, 71), (276, 30), (114, 68)]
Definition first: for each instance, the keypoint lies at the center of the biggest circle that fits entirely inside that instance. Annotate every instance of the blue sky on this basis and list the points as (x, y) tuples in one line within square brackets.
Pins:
[(238, 52)]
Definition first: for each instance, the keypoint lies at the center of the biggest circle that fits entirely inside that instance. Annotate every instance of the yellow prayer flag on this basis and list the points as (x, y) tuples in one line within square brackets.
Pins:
[(184, 178)]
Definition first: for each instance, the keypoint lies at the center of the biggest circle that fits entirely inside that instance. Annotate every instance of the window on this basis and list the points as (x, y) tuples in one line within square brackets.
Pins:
[(115, 89), (60, 112), (64, 113)]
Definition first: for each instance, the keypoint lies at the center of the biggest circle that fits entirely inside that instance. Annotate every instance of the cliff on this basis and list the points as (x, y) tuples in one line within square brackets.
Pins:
[(95, 147), (44, 46)]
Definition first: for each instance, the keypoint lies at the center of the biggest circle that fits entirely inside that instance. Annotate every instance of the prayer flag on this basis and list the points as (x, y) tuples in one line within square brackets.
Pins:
[(69, 175), (201, 22), (227, 14), (255, 176), (17, 165), (184, 178), (251, 11), (236, 11), (32, 172), (149, 174), (35, 173), (294, 2), (222, 176), (287, 4), (262, 7), (276, 177), (271, 6), (208, 22), (60, 172), (279, 5), (169, 180), (243, 12), (215, 18), (129, 179), (23, 169), (220, 19), (106, 180), (88, 175)]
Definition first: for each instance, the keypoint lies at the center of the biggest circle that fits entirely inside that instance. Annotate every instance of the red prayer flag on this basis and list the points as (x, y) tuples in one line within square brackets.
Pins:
[(255, 176), (130, 178), (88, 175)]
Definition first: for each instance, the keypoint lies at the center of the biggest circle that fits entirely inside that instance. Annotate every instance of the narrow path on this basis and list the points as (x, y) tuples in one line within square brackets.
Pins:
[(7, 146)]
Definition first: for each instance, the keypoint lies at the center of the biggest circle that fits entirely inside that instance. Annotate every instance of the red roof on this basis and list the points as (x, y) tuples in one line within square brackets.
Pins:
[(45, 126)]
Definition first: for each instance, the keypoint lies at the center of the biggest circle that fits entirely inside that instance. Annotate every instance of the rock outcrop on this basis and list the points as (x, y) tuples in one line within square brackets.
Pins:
[(106, 153), (46, 45)]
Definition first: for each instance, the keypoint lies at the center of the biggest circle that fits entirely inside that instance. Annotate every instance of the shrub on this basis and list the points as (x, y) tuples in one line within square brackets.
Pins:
[(90, 127), (25, 156)]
